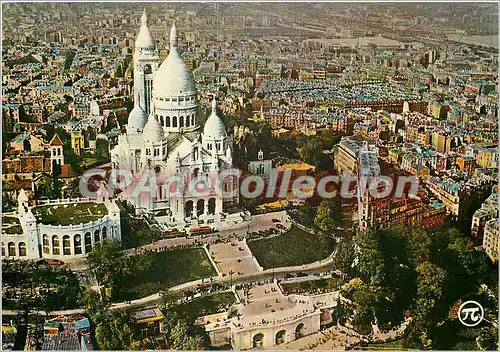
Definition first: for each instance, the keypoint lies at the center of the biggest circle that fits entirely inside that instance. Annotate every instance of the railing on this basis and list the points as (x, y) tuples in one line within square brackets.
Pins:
[(66, 201)]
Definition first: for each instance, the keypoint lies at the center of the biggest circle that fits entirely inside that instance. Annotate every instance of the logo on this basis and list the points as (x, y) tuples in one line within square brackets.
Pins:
[(470, 313)]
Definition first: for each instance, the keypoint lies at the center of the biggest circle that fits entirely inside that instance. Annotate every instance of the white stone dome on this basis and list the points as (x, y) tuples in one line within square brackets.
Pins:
[(153, 132), (136, 119), (144, 38), (214, 127), (173, 77)]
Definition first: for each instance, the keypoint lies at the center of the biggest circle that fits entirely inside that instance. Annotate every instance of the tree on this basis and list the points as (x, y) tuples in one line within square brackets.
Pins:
[(324, 219), (429, 292), (32, 288), (365, 300), (178, 335), (102, 149), (113, 331), (94, 306), (193, 343), (344, 258), (169, 298), (311, 152), (110, 264), (8, 203), (371, 265)]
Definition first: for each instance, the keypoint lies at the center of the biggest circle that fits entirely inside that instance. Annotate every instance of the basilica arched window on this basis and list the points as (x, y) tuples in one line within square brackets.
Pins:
[(181, 121), (162, 122), (187, 121), (174, 121), (192, 120), (167, 121)]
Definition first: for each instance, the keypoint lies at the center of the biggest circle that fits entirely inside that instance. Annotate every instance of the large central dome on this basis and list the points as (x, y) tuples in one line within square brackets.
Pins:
[(173, 78)]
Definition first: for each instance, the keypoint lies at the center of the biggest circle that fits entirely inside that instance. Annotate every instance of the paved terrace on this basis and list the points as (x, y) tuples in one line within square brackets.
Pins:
[(234, 258), (266, 304)]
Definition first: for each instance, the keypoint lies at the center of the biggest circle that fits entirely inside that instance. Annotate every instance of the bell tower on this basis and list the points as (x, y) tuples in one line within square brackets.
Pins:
[(146, 62)]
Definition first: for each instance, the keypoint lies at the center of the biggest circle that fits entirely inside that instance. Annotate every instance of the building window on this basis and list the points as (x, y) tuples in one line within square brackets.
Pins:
[(66, 245), (46, 245), (181, 121), (55, 245), (167, 121), (97, 239), (88, 242), (22, 249), (77, 242), (174, 121), (12, 249), (104, 233)]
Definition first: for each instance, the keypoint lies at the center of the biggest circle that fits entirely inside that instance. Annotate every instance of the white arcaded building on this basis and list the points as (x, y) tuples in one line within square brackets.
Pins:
[(61, 229), (264, 318), (163, 137)]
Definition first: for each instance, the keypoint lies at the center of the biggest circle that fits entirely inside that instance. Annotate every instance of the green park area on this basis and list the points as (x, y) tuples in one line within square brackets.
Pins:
[(166, 269), (315, 286), (397, 345), (295, 247), (135, 276), (206, 305), (70, 214), (38, 285)]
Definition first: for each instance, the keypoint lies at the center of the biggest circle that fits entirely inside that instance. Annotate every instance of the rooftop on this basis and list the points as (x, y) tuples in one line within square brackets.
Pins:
[(267, 304), (70, 214)]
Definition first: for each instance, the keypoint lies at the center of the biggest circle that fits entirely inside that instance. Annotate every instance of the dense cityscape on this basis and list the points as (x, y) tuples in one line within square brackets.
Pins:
[(282, 176)]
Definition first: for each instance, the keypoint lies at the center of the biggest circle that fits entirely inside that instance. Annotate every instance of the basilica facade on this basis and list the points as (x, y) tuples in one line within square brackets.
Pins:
[(163, 137)]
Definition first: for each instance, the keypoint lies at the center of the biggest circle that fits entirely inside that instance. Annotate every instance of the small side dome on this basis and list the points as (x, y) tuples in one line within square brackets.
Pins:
[(153, 132), (136, 119), (214, 127)]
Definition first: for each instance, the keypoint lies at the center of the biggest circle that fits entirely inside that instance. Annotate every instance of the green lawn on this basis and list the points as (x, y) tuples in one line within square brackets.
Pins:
[(206, 305), (11, 225), (70, 214), (10, 220), (166, 269), (312, 286), (14, 229), (393, 345), (296, 247)]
